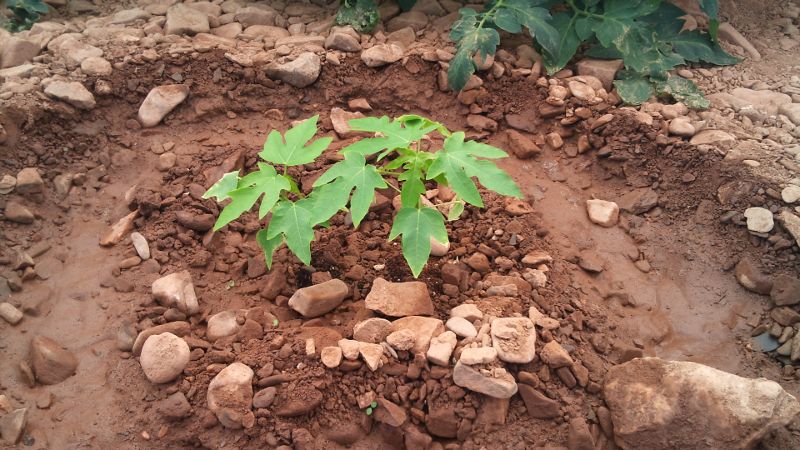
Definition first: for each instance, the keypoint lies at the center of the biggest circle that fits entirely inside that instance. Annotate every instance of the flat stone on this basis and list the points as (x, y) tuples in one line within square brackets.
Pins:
[(71, 92), (655, 404), (372, 354), (17, 213), (467, 311), (340, 119), (160, 101), (682, 126), (638, 201), (423, 327), (176, 290), (373, 330), (522, 146), (231, 390), (96, 66), (50, 362), (538, 405), (319, 299), (399, 299), (478, 355), (441, 348), (500, 386), (461, 327), (10, 314), (759, 220), (343, 42), (181, 19), (785, 291), (603, 70), (382, 54), (301, 72), (514, 338), (791, 193), (413, 19), (389, 413), (13, 424), (119, 230), (163, 357), (18, 51), (717, 138), (751, 278), (268, 32), (602, 212), (349, 348)]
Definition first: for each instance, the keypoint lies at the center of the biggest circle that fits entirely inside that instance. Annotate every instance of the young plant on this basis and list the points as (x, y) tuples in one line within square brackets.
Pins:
[(401, 163), (647, 35)]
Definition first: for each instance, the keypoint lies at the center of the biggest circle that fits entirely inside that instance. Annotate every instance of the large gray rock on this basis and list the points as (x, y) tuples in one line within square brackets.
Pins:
[(230, 394), (182, 19), (71, 92), (657, 404), (160, 101), (301, 72)]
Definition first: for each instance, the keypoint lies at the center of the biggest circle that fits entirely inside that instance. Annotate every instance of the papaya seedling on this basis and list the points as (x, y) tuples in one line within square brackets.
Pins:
[(402, 162)]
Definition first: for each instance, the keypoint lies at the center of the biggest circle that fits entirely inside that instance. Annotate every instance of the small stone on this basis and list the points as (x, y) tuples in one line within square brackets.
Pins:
[(95, 66), (590, 262), (182, 19), (176, 290), (373, 330), (331, 357), (638, 201), (401, 340), (791, 193), (319, 299), (174, 407), (371, 354), (343, 42), (28, 181), (399, 299), (12, 425), (478, 262), (7, 184), (166, 161), (160, 101), (603, 70), (467, 311), (538, 405), (389, 413), (424, 328), (71, 92), (441, 348), (222, 324), (178, 328), (301, 72), (265, 397), (522, 146), (603, 213), (382, 54), (51, 364), (751, 278), (10, 314), (681, 126), (119, 230), (759, 220), (554, 355), (502, 385), (340, 119), (230, 394), (461, 327), (15, 212), (163, 357), (514, 338), (785, 291), (359, 104), (349, 348), (140, 245), (195, 221), (717, 138), (478, 355)]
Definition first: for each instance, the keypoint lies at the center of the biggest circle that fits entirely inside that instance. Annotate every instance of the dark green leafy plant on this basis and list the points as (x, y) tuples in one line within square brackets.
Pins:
[(401, 163), (24, 14), (647, 35), (362, 15)]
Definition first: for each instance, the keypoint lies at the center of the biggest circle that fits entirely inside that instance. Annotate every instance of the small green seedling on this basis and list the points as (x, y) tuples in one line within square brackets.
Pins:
[(401, 163), (372, 407), (275, 323)]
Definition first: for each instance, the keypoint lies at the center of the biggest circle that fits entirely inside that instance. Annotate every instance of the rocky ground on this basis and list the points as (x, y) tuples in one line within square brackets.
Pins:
[(647, 236)]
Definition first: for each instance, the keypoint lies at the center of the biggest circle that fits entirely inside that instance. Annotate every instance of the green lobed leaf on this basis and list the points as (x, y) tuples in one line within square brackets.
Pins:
[(265, 182), (268, 245), (695, 46), (471, 37), (293, 151), (514, 14), (683, 90), (395, 134), (711, 8), (634, 90), (417, 226), (455, 210), (354, 174), (568, 43), (294, 221), (223, 186), (458, 162)]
